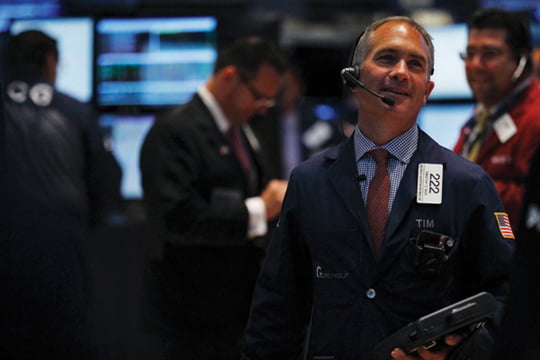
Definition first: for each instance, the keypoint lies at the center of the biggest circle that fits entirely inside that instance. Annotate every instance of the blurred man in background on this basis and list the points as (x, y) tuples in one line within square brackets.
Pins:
[(297, 127), (505, 129), (209, 201), (59, 182)]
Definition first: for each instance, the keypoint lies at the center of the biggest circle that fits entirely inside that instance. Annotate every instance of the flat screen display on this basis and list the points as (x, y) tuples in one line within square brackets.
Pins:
[(443, 121), (449, 76), (153, 62), (127, 133), (75, 39), (18, 9)]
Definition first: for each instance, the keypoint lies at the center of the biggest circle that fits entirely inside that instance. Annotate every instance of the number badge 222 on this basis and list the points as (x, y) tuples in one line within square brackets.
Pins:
[(429, 184)]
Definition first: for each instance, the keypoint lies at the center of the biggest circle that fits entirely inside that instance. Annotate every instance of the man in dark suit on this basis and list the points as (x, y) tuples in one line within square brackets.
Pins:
[(346, 268), (60, 182), (209, 201)]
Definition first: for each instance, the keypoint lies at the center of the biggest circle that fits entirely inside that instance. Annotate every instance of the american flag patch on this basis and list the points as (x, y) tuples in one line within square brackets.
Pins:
[(504, 225)]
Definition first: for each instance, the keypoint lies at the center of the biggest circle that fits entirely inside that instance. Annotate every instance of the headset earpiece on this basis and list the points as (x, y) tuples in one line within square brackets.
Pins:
[(354, 71), (519, 69)]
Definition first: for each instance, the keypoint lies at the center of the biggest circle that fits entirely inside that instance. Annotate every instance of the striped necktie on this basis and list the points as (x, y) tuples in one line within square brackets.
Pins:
[(234, 136), (481, 130)]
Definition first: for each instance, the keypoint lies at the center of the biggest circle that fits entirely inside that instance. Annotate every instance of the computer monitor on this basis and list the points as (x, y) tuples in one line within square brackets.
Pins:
[(127, 133), (27, 9), (449, 76), (153, 62), (443, 121), (75, 37)]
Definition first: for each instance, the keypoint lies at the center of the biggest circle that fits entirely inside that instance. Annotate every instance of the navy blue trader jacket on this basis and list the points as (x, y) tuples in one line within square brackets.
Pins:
[(322, 293)]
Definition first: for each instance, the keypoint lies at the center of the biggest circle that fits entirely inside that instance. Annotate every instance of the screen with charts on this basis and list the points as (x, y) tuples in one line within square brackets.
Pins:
[(75, 39), (449, 76), (18, 9), (127, 133), (443, 121), (153, 62)]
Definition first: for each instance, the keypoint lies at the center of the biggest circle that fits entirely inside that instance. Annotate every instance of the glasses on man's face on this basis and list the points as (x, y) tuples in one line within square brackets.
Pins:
[(487, 55), (259, 99)]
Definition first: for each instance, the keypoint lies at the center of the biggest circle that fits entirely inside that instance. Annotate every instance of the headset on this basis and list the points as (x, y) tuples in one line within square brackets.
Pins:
[(350, 75), (353, 69), (519, 69)]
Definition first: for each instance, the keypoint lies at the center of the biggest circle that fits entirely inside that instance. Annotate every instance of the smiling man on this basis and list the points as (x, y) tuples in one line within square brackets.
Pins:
[(504, 130), (346, 267)]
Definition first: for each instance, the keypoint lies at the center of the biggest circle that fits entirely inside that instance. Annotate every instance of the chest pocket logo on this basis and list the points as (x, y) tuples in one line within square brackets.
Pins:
[(320, 274)]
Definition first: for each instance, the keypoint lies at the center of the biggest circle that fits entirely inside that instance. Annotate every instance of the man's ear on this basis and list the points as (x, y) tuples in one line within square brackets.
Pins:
[(429, 88), (229, 72), (51, 67)]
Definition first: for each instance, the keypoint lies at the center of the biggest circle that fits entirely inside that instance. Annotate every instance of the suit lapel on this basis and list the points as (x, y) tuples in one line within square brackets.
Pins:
[(254, 146), (203, 120), (342, 175), (219, 141)]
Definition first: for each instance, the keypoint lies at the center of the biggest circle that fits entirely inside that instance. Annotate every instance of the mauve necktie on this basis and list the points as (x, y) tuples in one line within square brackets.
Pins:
[(235, 139), (377, 198)]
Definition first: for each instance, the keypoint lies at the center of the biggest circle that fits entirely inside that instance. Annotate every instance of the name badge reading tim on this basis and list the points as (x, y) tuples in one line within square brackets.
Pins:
[(429, 186)]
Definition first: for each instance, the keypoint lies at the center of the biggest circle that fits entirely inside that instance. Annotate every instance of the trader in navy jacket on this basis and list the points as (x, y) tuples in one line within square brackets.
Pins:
[(324, 292)]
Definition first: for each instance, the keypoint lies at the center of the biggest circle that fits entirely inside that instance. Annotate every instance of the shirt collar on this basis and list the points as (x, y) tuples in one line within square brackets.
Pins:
[(402, 147), (213, 106)]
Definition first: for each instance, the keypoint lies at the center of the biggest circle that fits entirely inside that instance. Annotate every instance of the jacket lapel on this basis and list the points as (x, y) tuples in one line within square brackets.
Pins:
[(342, 175), (256, 154)]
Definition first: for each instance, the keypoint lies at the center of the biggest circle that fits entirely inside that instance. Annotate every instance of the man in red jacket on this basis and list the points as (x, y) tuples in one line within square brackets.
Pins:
[(505, 128)]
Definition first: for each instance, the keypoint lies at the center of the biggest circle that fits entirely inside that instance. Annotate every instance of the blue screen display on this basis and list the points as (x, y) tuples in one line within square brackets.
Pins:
[(443, 121), (20, 9), (449, 76), (126, 134), (153, 61)]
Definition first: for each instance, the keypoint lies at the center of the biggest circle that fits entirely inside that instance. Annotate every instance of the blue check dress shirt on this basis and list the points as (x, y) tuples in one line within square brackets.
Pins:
[(401, 149)]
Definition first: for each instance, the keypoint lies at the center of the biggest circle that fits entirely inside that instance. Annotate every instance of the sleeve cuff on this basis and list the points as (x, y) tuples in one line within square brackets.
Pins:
[(257, 225)]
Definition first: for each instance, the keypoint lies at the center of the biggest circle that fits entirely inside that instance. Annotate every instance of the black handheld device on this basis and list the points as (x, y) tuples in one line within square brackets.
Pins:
[(427, 330)]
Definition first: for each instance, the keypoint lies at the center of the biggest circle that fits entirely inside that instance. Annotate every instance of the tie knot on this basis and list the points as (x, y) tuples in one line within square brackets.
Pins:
[(481, 117), (380, 155)]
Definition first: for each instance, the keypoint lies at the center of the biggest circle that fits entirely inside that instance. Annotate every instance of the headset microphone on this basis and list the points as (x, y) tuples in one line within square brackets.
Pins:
[(349, 79)]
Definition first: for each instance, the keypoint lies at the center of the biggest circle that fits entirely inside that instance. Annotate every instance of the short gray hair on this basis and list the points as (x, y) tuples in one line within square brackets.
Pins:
[(363, 45)]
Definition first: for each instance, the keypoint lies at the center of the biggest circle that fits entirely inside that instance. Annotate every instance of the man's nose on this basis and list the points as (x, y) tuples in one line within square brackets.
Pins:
[(400, 70)]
